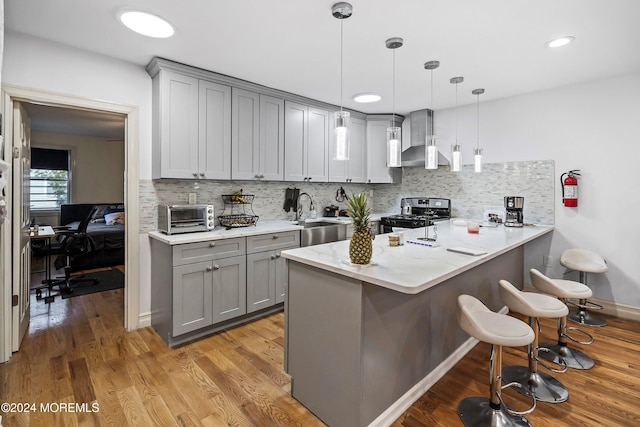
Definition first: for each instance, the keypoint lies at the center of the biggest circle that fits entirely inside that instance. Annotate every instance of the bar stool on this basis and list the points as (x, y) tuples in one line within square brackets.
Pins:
[(584, 261), (564, 289), (498, 330), (543, 386)]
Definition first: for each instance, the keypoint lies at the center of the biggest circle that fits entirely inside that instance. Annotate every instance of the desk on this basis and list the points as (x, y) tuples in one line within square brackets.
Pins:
[(44, 233)]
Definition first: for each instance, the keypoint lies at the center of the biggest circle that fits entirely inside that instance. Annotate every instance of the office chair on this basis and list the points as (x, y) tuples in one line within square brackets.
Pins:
[(70, 243)]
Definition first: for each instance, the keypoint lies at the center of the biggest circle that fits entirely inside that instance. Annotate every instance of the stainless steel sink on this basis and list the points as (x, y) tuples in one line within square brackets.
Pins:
[(318, 232)]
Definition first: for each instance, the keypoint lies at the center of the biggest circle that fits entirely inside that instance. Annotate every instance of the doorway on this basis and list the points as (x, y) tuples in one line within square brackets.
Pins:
[(12, 96)]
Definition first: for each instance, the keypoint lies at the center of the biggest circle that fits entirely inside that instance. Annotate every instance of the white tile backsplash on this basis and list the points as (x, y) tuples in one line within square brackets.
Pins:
[(470, 193)]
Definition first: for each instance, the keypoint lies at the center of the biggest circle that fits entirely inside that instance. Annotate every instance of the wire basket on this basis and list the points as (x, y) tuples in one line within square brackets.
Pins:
[(240, 220), (237, 199)]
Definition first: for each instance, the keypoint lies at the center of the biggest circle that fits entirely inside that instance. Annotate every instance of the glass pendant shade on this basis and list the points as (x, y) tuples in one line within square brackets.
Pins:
[(477, 160), (394, 147), (456, 158), (431, 149), (431, 154), (477, 152), (341, 133)]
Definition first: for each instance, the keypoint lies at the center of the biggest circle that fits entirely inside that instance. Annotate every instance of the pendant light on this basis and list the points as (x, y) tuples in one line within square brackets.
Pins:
[(341, 11), (477, 153), (431, 149), (394, 133), (456, 153)]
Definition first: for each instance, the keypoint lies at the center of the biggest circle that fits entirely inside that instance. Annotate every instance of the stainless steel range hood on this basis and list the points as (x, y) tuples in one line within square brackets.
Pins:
[(415, 129)]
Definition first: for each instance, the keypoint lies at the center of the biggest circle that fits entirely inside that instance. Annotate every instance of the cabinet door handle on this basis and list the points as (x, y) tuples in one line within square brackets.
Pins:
[(261, 176), (209, 268), (273, 257), (256, 176), (202, 174), (195, 175), (278, 254), (309, 179), (212, 244), (275, 236), (216, 267)]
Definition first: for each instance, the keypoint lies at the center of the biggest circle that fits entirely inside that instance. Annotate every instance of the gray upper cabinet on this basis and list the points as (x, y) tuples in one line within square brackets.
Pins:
[(271, 138), (306, 143), (192, 128), (353, 170), (377, 170), (245, 140), (214, 131), (175, 131), (257, 137)]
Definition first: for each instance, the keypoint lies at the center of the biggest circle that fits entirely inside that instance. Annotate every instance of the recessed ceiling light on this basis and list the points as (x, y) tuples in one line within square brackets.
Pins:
[(560, 41), (367, 97), (146, 24)]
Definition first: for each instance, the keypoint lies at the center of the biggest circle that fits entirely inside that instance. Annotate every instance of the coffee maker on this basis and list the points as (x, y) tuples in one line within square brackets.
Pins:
[(514, 205)]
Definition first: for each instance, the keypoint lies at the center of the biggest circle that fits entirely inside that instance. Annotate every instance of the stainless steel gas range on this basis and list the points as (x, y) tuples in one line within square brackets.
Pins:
[(417, 212)]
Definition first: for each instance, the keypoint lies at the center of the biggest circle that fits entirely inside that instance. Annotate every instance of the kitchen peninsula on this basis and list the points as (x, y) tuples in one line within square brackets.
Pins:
[(359, 339)]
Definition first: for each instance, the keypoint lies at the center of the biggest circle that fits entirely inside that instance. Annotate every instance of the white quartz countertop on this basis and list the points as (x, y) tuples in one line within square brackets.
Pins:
[(413, 268), (262, 227)]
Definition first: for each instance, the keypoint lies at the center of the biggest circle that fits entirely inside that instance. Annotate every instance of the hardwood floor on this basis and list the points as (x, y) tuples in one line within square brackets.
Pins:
[(77, 350), (606, 395)]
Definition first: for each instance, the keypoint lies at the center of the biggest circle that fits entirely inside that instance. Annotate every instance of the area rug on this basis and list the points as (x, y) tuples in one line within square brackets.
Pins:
[(107, 281)]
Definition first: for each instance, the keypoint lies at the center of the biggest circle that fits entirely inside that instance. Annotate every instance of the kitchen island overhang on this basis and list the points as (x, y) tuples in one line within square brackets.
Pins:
[(359, 338)]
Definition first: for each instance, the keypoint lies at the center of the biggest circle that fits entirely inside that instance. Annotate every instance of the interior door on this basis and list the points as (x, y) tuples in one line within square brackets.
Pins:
[(21, 211)]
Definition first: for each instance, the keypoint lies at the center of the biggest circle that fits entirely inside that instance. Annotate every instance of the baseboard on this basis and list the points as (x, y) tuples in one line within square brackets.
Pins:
[(623, 311), (398, 407), (394, 411), (144, 320)]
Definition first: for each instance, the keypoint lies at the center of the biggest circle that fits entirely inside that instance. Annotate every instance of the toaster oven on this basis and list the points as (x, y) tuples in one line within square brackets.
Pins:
[(176, 219)]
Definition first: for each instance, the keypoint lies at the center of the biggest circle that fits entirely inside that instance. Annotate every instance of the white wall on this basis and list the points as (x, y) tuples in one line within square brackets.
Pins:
[(35, 63), (580, 127), (97, 165), (593, 127)]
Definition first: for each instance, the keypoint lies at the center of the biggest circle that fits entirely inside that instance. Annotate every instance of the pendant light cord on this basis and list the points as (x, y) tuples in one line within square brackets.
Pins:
[(478, 123), (456, 113), (393, 90), (341, 59)]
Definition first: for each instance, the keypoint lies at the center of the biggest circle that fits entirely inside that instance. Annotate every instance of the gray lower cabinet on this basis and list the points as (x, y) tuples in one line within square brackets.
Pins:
[(199, 288), (266, 269), (205, 293)]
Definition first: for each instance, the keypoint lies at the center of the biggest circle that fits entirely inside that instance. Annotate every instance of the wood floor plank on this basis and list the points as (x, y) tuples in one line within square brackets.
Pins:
[(77, 349)]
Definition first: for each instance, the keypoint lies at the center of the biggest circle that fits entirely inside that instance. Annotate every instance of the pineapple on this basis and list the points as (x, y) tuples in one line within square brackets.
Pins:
[(360, 246)]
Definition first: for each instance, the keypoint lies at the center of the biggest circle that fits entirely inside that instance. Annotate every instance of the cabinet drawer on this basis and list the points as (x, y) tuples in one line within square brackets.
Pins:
[(206, 251), (271, 241)]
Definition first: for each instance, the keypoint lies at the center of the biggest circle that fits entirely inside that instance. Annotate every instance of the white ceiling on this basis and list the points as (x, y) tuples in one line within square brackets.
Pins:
[(293, 45)]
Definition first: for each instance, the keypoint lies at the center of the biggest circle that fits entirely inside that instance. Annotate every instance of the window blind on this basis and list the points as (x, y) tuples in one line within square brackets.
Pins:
[(50, 159)]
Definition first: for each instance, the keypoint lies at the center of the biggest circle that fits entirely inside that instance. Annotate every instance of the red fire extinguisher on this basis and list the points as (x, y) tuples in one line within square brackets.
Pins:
[(570, 188)]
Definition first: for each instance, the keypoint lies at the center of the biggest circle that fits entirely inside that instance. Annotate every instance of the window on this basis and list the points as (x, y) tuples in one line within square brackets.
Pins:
[(50, 178)]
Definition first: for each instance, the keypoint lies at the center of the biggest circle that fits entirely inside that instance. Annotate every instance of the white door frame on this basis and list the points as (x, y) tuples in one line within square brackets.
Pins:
[(131, 194)]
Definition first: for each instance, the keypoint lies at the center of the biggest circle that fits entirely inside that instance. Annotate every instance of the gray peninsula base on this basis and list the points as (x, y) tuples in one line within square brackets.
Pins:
[(354, 348)]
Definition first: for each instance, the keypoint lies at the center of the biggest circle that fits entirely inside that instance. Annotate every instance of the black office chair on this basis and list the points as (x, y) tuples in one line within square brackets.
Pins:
[(70, 243)]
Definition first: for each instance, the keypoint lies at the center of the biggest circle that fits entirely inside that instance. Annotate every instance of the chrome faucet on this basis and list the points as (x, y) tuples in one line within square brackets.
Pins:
[(299, 206)]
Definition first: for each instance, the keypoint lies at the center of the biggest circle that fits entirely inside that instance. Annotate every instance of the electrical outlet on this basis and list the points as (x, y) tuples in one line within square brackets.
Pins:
[(547, 260), (192, 198)]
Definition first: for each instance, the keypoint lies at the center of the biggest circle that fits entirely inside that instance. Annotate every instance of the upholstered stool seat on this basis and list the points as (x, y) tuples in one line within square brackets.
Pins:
[(584, 261), (544, 387), (498, 330), (560, 352)]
